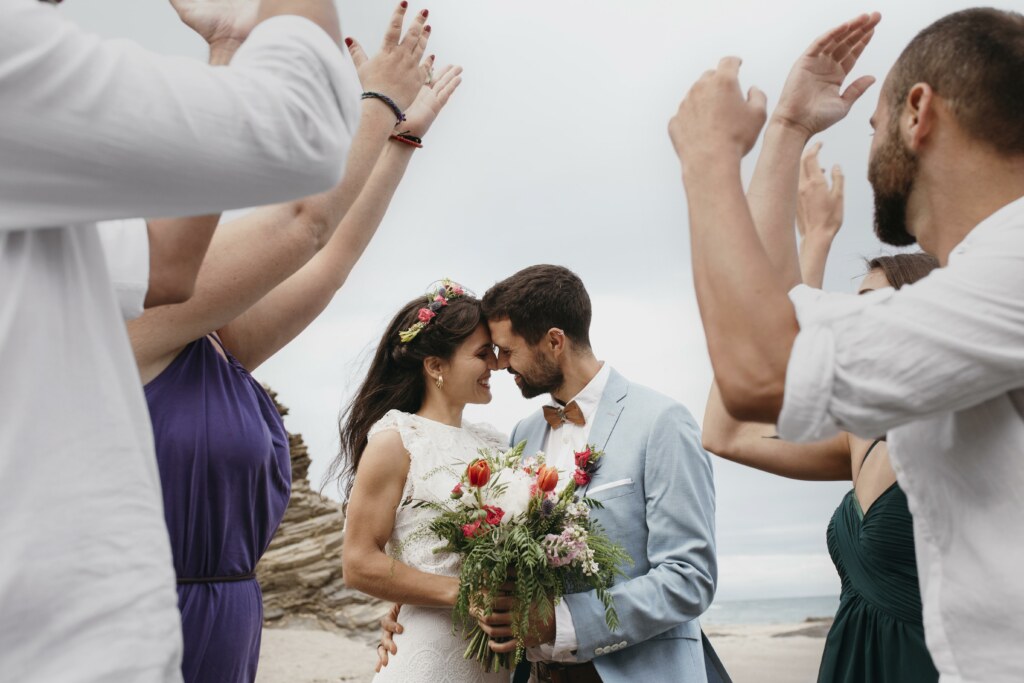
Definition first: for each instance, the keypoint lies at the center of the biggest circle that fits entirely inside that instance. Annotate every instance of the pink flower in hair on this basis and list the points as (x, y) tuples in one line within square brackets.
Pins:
[(441, 300), (425, 315)]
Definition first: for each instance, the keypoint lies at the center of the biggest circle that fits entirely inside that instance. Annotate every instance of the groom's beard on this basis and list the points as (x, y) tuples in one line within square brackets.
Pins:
[(891, 172), (545, 376)]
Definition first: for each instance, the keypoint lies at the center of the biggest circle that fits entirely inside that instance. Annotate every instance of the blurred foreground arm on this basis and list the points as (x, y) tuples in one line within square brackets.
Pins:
[(104, 129)]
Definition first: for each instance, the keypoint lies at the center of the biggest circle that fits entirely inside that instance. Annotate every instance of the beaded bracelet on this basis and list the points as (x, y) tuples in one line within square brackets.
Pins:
[(386, 100), (408, 138)]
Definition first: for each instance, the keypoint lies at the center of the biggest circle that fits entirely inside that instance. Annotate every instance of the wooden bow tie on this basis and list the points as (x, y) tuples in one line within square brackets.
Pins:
[(557, 417)]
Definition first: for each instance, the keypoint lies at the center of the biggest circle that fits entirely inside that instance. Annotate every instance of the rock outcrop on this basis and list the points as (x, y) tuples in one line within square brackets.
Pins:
[(301, 571)]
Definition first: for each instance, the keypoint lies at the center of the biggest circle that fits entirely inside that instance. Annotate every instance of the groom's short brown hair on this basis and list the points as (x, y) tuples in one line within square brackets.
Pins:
[(539, 298)]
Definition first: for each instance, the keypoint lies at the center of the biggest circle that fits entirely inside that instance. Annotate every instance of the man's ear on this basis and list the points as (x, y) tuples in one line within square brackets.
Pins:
[(918, 118), (555, 339)]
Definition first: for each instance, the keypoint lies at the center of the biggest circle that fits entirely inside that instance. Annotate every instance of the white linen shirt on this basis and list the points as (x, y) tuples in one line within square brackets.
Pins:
[(125, 245), (94, 130), (939, 367), (560, 449)]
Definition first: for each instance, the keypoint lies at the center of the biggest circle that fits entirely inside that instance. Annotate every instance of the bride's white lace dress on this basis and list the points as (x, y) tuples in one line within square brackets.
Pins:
[(428, 650)]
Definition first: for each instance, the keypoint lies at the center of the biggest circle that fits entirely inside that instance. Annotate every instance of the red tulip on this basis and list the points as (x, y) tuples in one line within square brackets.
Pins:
[(478, 473), (547, 478)]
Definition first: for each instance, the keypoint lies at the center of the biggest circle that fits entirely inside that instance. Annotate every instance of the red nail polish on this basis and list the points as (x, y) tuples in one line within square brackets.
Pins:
[(425, 13), (403, 4), (348, 42), (426, 29)]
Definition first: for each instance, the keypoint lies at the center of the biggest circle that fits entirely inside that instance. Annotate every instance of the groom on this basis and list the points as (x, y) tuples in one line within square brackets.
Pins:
[(655, 485)]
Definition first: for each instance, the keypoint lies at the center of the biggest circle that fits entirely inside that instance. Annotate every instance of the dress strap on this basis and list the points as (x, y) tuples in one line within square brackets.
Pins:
[(870, 448)]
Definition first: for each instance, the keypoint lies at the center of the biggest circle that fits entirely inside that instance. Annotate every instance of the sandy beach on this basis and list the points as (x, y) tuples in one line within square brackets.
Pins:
[(752, 654)]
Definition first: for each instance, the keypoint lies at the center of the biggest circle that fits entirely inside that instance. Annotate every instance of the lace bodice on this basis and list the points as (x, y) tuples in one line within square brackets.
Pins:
[(438, 454)]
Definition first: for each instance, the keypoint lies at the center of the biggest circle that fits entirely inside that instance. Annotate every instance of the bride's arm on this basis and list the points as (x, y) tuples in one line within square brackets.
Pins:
[(376, 495)]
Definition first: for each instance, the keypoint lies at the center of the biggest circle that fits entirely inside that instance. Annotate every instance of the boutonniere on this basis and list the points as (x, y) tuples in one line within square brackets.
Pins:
[(587, 462)]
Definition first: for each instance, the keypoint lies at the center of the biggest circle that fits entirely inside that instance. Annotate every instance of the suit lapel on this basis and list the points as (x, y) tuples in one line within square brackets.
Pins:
[(608, 410)]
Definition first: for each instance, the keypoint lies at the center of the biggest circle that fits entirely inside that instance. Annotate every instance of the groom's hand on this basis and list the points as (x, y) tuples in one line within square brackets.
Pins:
[(389, 626), (498, 624)]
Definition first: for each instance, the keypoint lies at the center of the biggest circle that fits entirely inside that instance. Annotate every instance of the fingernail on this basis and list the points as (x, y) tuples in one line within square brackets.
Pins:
[(426, 29), (425, 13), (403, 4), (348, 42)]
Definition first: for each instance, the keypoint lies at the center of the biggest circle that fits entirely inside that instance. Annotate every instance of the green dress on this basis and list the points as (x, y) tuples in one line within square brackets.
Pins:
[(878, 634)]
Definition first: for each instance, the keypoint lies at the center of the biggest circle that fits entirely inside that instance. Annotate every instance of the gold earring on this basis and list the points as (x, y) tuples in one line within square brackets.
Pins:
[(439, 382)]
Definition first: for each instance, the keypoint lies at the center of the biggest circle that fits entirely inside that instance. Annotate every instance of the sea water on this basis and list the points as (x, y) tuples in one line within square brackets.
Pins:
[(771, 611)]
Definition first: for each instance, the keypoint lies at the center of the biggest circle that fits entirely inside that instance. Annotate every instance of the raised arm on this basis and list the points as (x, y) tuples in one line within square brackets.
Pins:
[(370, 519), (276, 319), (819, 215), (757, 445), (115, 131), (252, 255), (810, 102), (177, 245), (748, 318)]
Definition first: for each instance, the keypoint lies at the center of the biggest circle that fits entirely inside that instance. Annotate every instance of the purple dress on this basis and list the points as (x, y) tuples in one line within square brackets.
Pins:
[(225, 471)]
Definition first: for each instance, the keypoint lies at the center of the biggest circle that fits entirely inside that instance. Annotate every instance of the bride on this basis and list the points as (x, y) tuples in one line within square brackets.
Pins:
[(402, 440)]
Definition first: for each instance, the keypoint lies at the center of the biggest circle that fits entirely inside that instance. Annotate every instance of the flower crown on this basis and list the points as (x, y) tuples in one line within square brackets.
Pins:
[(437, 298)]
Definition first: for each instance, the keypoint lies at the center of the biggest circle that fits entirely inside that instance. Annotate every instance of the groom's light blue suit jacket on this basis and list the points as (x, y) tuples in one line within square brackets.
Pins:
[(660, 506)]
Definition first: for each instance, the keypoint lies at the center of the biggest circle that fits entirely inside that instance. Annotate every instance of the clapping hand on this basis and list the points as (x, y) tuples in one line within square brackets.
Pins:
[(396, 70), (819, 215), (715, 118), (819, 209), (223, 24), (431, 100), (811, 100)]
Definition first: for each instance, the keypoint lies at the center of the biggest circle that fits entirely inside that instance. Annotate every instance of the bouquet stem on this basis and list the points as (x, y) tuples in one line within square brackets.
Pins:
[(478, 649)]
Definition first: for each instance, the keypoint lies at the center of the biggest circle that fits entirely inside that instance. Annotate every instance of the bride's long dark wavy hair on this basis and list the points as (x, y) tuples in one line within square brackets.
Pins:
[(396, 377)]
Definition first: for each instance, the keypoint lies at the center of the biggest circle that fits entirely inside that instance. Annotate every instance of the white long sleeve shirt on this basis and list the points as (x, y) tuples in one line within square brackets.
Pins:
[(93, 130), (939, 366), (560, 449)]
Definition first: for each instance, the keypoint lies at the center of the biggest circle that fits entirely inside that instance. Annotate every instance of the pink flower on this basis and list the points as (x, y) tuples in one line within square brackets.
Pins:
[(441, 300), (581, 478), (583, 458), (471, 530), (425, 315), (457, 491), (494, 514)]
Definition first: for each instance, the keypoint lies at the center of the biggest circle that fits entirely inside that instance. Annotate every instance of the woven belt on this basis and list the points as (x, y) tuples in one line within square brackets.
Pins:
[(217, 579)]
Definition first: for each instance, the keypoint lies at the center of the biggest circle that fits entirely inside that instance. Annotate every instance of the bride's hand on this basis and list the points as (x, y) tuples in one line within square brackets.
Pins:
[(389, 626)]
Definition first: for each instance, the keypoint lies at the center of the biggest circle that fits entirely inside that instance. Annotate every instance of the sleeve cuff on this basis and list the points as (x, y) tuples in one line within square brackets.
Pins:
[(337, 64), (126, 249), (564, 646)]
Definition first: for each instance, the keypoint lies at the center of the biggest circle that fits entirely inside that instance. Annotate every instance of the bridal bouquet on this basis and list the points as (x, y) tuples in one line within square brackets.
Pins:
[(505, 520)]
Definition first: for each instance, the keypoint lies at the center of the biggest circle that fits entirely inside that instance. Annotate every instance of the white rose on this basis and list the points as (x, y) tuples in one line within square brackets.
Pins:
[(515, 499)]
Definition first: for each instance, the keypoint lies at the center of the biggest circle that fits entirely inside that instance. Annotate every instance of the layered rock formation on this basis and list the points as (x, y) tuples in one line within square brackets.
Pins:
[(301, 571)]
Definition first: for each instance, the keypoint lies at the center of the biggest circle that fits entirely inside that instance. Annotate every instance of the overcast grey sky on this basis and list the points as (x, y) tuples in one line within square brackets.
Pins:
[(555, 150)]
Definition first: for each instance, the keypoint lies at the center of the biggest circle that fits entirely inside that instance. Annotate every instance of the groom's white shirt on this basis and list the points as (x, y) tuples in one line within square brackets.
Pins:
[(560, 451)]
